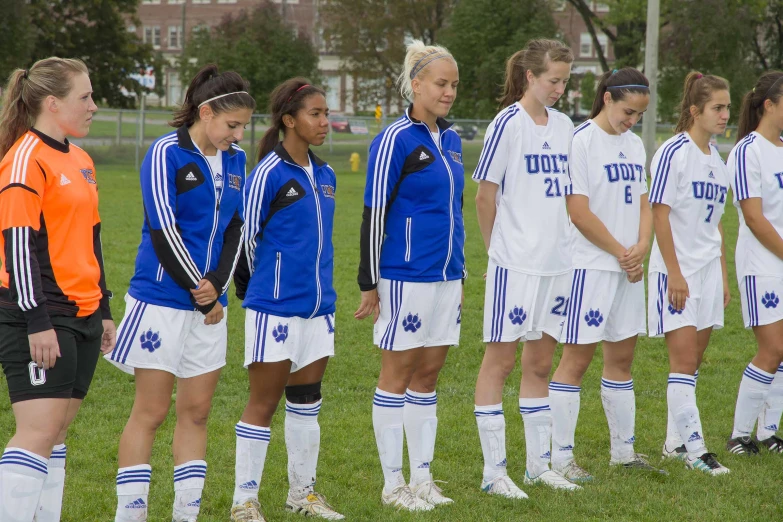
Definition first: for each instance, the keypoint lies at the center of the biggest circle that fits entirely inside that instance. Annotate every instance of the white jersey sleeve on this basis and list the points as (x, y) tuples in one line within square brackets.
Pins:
[(493, 161), (666, 172), (746, 179)]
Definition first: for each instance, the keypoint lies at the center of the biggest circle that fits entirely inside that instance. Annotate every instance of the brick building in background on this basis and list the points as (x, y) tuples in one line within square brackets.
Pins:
[(162, 23)]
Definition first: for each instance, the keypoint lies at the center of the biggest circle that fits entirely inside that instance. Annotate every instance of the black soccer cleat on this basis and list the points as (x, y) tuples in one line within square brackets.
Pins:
[(773, 444), (742, 446)]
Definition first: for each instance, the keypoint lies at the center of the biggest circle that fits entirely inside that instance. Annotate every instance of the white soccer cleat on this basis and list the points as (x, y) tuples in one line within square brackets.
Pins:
[(572, 471), (431, 493), (673, 451), (553, 479), (402, 497), (707, 464), (248, 511), (503, 486), (313, 505)]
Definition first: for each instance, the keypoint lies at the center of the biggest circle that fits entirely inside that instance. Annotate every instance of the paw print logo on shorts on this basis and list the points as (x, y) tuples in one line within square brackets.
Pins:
[(770, 300), (150, 340), (280, 332), (411, 323), (517, 315), (594, 317), (673, 310)]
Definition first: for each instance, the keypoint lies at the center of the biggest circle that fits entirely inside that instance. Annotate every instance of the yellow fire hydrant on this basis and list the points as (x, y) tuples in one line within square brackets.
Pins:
[(355, 162)]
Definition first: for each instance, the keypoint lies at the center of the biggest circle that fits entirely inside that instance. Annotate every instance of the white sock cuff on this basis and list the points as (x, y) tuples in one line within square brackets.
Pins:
[(386, 399), (57, 459), (421, 398), (26, 462), (534, 406), (134, 480), (303, 412), (610, 385), (194, 469), (491, 410), (780, 369), (562, 387), (682, 378), (248, 431), (758, 375)]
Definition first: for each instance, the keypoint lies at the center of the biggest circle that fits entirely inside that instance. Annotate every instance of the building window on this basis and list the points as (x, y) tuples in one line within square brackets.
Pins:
[(603, 41), (227, 1), (558, 5), (600, 8), (150, 2), (201, 1), (152, 35), (176, 1), (289, 2), (175, 37), (131, 28), (585, 45)]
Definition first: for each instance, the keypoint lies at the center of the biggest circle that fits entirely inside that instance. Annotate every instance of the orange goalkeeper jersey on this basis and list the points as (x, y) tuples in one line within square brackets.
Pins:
[(50, 247)]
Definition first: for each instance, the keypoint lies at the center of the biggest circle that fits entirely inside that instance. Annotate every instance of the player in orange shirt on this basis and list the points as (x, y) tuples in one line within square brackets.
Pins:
[(54, 305)]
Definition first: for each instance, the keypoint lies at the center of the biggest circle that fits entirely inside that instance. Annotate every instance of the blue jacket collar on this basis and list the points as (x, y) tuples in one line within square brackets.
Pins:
[(285, 156), (440, 122)]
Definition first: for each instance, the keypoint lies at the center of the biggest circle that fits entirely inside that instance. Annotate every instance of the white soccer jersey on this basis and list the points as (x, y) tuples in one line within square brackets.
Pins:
[(530, 163), (609, 170), (756, 169), (695, 186)]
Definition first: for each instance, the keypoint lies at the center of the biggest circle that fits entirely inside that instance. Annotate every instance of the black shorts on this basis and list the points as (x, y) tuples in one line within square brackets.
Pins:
[(80, 345)]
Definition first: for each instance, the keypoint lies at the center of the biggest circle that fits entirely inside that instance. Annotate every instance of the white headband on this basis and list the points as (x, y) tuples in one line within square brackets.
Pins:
[(220, 96)]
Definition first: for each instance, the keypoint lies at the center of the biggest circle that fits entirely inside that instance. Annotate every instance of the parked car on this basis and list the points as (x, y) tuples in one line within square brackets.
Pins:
[(340, 124), (466, 132)]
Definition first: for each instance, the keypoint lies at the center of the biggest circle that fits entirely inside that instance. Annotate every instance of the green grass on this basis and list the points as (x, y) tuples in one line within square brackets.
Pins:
[(349, 471)]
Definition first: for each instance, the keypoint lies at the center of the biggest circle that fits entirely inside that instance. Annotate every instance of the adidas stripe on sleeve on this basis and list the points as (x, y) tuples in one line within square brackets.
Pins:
[(665, 173), (747, 170), (499, 137)]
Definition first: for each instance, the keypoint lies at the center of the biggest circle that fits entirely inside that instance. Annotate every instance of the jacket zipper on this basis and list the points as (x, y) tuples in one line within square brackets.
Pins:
[(278, 264), (320, 237), (216, 216), (451, 199), (408, 239)]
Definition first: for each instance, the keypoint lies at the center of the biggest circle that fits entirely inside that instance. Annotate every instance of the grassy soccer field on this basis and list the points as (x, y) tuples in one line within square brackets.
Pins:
[(349, 471)]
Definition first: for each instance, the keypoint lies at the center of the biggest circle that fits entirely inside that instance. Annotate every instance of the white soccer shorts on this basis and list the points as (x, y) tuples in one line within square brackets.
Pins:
[(760, 297), (162, 338), (604, 306), (415, 315), (523, 307), (269, 338), (703, 309)]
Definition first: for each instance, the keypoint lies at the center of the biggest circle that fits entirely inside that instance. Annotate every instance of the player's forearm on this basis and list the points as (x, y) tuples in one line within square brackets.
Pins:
[(486, 212), (663, 234), (766, 234), (596, 232), (645, 224)]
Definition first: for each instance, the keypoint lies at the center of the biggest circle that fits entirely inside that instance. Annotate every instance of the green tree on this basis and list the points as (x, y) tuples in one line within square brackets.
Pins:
[(95, 31), (257, 44), (587, 89), (482, 34), (15, 36)]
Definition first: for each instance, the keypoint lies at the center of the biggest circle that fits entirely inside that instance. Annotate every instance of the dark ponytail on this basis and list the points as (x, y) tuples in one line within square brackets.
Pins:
[(619, 83), (287, 98), (697, 91), (208, 83), (534, 57), (768, 87)]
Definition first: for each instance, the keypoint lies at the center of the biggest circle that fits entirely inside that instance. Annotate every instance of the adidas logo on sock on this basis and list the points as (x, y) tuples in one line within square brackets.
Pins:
[(694, 436), (424, 465), (423, 156), (249, 485), (501, 464), (566, 448), (546, 146), (771, 427), (190, 177), (292, 192), (196, 503), (621, 156), (64, 180), (546, 455), (136, 504), (631, 440)]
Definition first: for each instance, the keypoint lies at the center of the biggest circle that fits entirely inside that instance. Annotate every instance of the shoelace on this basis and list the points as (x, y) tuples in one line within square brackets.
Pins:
[(577, 470), (250, 513), (320, 500), (709, 460), (558, 478), (501, 485)]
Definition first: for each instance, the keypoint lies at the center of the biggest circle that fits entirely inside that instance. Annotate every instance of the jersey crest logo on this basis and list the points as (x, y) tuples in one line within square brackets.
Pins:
[(411, 323), (517, 315), (594, 317), (89, 175), (770, 300), (456, 156), (546, 146), (64, 180), (150, 340), (328, 191), (280, 333), (621, 156), (234, 181)]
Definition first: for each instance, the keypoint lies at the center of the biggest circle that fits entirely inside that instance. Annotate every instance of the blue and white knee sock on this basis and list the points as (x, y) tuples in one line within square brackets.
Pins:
[(303, 442), (619, 404), (252, 443), (681, 398), (387, 421), (673, 439), (51, 502), (420, 420), (769, 418), (537, 420), (133, 487), (22, 476), (188, 485), (564, 400), (753, 391), (492, 434)]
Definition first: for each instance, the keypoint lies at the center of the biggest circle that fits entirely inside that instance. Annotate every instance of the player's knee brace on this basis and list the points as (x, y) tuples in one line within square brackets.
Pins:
[(303, 393)]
